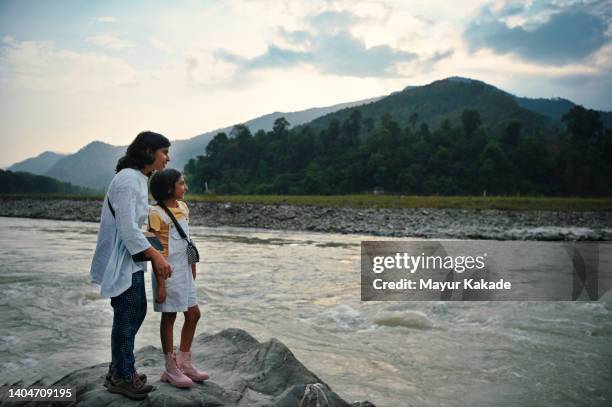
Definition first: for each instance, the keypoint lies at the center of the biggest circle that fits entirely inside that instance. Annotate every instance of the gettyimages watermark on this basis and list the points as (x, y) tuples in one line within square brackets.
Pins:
[(483, 270)]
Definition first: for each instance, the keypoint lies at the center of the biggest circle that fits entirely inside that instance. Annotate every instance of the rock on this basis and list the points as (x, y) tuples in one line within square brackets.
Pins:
[(243, 372)]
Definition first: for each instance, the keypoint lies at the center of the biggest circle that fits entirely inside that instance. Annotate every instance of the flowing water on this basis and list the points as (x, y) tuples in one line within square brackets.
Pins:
[(304, 289)]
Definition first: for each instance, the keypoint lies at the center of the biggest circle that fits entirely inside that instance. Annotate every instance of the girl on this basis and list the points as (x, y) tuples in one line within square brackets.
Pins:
[(121, 279), (176, 294)]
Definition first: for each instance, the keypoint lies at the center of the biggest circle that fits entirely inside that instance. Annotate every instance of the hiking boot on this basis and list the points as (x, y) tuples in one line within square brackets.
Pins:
[(173, 374), (142, 376), (133, 388), (184, 363)]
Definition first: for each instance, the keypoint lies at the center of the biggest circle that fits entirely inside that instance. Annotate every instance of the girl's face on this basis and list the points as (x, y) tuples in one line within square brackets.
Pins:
[(161, 159), (180, 187)]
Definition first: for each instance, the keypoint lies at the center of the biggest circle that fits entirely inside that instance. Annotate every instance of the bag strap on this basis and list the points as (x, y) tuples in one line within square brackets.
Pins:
[(110, 207), (178, 226), (113, 212)]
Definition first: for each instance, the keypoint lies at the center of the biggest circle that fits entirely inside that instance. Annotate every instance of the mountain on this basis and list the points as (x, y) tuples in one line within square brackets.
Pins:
[(470, 138), (183, 150), (93, 166), (24, 182), (443, 100), (447, 98), (37, 165), (555, 108)]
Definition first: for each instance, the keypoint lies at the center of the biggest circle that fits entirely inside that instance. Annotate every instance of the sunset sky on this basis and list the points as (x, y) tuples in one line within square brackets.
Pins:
[(76, 71)]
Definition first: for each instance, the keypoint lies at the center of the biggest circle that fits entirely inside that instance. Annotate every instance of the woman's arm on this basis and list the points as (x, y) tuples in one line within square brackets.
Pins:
[(193, 270), (123, 200), (125, 196)]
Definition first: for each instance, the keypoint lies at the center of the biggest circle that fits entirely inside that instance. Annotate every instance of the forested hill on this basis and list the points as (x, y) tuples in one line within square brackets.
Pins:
[(37, 165), (452, 137), (443, 100), (24, 182), (555, 108)]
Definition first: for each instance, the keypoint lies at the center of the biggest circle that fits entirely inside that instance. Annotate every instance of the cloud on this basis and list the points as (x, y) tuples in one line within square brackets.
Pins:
[(542, 35), (191, 63), (273, 57), (110, 41), (330, 47), (440, 55), (334, 19), (204, 70), (42, 66), (106, 19), (160, 45)]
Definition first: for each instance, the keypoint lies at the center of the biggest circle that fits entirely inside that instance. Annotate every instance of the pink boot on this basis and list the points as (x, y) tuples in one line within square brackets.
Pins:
[(173, 374), (184, 363)]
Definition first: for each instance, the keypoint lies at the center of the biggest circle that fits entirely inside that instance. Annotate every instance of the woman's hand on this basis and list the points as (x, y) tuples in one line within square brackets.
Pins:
[(162, 267)]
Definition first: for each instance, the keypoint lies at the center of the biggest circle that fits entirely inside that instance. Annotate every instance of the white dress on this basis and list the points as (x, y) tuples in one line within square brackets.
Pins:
[(180, 288)]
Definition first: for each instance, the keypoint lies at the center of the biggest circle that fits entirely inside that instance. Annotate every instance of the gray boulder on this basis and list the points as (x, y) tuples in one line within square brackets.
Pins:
[(243, 372)]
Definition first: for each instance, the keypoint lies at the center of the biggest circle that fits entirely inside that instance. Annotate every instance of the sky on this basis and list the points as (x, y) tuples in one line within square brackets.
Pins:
[(76, 71)]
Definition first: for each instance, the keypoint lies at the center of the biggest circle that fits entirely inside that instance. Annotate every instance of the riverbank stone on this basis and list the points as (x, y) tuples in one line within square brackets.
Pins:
[(243, 372), (430, 223)]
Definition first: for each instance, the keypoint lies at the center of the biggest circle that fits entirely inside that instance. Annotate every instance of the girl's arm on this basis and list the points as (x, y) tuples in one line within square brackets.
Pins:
[(160, 295), (158, 261), (193, 270)]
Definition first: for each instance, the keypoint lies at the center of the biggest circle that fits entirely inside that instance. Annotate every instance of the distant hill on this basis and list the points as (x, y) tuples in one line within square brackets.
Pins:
[(183, 150), (39, 164), (555, 108), (451, 137), (93, 166), (447, 98), (444, 100), (24, 182)]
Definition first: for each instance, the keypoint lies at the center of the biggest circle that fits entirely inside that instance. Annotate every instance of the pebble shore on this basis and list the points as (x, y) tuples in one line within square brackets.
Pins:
[(410, 222)]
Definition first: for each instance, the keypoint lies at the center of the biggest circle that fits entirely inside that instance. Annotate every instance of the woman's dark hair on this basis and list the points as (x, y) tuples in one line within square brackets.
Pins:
[(140, 152), (162, 184)]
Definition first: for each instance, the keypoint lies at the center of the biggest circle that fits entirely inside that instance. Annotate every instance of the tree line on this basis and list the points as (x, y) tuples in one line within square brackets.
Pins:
[(359, 155), (23, 182)]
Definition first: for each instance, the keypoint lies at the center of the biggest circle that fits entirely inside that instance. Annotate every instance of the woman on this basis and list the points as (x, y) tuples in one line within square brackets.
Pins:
[(124, 213)]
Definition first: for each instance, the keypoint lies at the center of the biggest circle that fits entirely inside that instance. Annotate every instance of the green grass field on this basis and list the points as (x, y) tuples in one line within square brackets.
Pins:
[(385, 201)]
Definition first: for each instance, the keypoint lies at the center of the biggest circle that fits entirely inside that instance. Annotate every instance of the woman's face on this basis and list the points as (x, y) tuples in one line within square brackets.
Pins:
[(180, 187), (161, 158)]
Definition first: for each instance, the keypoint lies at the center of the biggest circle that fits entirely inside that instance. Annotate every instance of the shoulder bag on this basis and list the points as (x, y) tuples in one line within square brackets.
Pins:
[(193, 256)]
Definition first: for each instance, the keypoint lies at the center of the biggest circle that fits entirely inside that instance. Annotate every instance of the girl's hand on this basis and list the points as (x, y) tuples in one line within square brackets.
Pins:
[(160, 296)]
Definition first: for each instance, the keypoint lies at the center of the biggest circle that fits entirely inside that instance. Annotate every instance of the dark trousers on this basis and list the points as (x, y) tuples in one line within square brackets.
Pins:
[(129, 310)]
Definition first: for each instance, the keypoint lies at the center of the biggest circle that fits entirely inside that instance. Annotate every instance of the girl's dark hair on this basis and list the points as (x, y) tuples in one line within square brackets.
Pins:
[(140, 152), (162, 184)]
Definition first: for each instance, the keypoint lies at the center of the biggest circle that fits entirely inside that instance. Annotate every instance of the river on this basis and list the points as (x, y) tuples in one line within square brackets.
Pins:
[(304, 289)]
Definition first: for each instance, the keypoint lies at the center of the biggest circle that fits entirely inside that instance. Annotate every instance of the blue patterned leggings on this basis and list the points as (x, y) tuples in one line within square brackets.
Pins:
[(129, 310)]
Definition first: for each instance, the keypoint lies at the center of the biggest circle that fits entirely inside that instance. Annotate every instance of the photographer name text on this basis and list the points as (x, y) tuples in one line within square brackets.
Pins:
[(430, 284)]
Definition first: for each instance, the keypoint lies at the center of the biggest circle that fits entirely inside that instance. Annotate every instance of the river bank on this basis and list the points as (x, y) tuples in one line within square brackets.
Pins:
[(434, 223)]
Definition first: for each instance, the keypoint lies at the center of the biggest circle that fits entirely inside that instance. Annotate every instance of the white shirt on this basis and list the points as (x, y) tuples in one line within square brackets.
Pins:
[(121, 236)]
